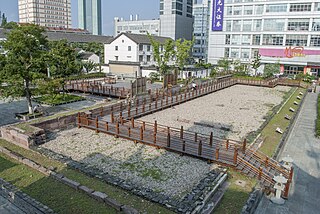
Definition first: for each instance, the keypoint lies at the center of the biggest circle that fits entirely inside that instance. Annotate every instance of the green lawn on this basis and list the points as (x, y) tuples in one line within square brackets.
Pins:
[(272, 138), (58, 99), (235, 196), (118, 194)]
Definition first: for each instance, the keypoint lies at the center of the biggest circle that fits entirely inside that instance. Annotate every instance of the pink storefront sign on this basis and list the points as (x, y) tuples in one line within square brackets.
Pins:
[(288, 52)]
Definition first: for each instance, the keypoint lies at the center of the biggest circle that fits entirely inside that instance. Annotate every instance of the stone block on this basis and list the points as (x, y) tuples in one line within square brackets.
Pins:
[(73, 184), (29, 163), (129, 210), (99, 196), (113, 203), (44, 170), (86, 190), (57, 176)]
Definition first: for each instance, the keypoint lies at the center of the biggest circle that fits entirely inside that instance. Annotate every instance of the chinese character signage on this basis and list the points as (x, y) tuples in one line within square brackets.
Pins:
[(217, 15), (288, 52)]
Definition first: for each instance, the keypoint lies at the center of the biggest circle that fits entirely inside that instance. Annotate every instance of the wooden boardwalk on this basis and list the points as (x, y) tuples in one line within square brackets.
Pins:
[(121, 120)]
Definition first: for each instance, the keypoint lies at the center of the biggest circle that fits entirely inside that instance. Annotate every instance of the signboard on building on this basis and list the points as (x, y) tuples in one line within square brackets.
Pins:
[(217, 15), (288, 52)]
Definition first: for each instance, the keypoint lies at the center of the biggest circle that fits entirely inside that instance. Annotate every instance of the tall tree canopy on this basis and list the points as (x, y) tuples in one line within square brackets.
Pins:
[(24, 62)]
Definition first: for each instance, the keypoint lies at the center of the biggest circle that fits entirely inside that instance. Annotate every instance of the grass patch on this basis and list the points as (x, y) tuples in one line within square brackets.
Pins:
[(58, 99), (116, 193), (235, 196), (248, 77), (272, 138), (25, 127), (155, 174), (59, 197), (318, 118)]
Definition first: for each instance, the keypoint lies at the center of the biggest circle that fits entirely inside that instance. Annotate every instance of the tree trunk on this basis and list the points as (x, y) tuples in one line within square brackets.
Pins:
[(28, 96)]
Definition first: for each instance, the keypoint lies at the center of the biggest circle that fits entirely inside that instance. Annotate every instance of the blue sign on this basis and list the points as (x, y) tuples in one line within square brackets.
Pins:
[(217, 15)]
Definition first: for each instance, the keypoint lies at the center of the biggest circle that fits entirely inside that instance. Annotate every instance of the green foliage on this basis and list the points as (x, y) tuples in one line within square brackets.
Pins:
[(182, 52), (10, 25), (24, 63), (154, 76), (271, 69), (318, 119), (86, 76), (89, 66), (162, 53), (255, 64), (3, 20), (224, 63), (58, 99), (203, 65), (213, 72)]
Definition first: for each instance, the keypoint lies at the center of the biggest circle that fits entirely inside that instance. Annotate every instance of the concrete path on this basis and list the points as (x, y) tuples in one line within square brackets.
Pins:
[(7, 207), (304, 148)]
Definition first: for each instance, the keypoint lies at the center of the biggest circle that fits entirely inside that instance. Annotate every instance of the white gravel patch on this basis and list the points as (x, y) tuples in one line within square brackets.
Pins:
[(238, 109), (144, 166)]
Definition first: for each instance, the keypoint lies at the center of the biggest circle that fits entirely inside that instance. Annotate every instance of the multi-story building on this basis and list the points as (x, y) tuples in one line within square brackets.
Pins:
[(136, 26), (176, 19), (129, 53), (89, 16), (48, 13), (201, 14), (286, 31)]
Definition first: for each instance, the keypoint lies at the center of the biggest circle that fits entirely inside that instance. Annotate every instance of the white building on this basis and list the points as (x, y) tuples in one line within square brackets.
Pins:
[(201, 14), (136, 26), (176, 19), (130, 53), (287, 31), (47, 13)]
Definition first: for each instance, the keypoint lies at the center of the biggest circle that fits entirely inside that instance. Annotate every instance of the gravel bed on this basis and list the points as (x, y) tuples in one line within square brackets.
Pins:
[(230, 113), (144, 166)]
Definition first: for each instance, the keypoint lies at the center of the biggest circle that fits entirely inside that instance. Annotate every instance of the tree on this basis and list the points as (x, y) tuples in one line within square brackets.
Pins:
[(24, 62), (3, 20), (10, 25), (255, 64), (271, 69), (237, 66), (162, 53), (224, 63), (182, 52), (63, 61), (89, 66)]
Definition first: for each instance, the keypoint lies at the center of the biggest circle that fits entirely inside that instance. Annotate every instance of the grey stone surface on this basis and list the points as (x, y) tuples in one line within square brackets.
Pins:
[(100, 196), (304, 148), (6, 207), (70, 183)]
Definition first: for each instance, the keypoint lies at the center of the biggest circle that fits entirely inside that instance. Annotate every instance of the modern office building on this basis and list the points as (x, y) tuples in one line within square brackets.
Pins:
[(284, 31), (136, 26), (48, 13), (201, 14), (89, 16), (176, 19)]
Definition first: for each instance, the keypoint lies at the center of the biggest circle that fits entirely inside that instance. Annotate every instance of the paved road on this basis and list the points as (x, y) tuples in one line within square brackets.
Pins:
[(304, 148), (8, 208)]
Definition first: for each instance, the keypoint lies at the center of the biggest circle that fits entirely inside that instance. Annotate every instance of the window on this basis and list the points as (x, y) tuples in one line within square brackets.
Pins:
[(248, 10), (276, 8), (254, 53), (256, 39), (315, 41), (237, 10), (140, 47), (229, 10), (228, 25), (129, 48), (247, 25), (245, 53), (226, 52), (257, 23), (274, 25), (228, 37), (235, 40), (148, 48), (300, 7), (316, 25), (298, 25), (148, 58), (258, 9), (236, 25), (116, 48), (246, 39), (317, 7), (140, 58), (271, 39), (297, 40), (234, 53)]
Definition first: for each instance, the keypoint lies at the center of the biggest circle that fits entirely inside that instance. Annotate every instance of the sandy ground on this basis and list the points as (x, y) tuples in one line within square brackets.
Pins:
[(230, 113)]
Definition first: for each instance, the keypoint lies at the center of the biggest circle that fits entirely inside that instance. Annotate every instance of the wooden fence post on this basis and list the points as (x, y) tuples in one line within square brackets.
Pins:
[(217, 153), (168, 137), (156, 104), (244, 145), (144, 125), (107, 126), (101, 111), (235, 156), (181, 132), (155, 126), (200, 148), (195, 137), (184, 145), (267, 161), (129, 131), (132, 122), (211, 139), (97, 125), (227, 144), (141, 133), (112, 117), (260, 173), (129, 110), (117, 128), (79, 120)]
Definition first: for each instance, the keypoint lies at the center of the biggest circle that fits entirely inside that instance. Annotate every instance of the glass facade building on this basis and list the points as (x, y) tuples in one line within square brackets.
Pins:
[(89, 16), (280, 31)]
